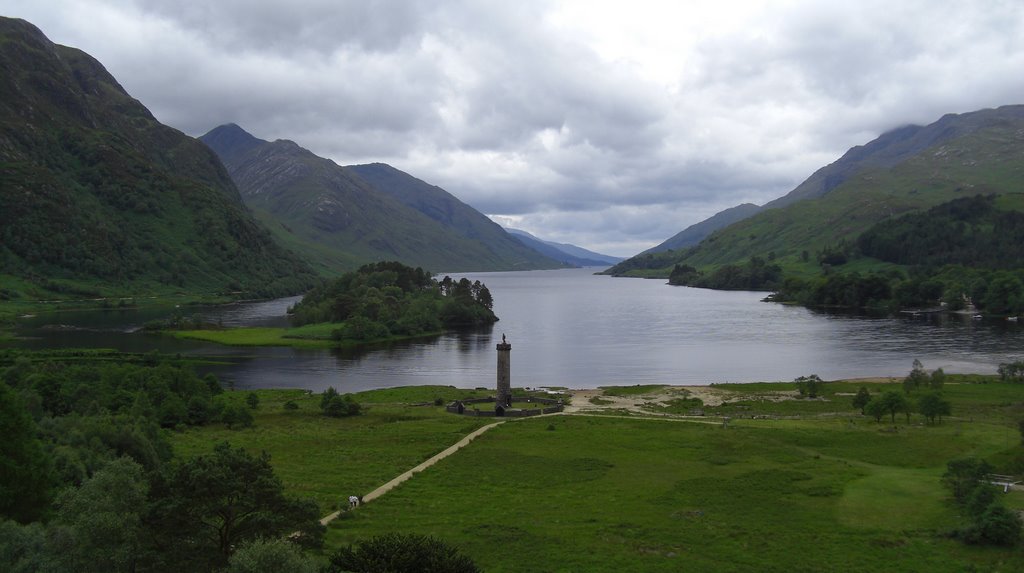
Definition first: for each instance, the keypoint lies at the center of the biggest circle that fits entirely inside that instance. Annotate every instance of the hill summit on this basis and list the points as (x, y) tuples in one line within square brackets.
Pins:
[(98, 197), (342, 217)]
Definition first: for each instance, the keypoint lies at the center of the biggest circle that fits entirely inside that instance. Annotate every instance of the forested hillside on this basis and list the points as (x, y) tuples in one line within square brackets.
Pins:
[(904, 171), (97, 197)]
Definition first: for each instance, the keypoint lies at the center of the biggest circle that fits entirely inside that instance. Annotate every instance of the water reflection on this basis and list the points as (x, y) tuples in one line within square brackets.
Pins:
[(571, 328)]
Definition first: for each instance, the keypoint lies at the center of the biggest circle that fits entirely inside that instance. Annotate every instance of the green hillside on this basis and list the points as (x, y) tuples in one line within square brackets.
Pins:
[(98, 198), (960, 156), (449, 211), (338, 221)]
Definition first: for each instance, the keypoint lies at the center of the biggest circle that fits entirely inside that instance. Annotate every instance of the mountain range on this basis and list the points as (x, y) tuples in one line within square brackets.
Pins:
[(906, 170), (565, 252), (340, 217)]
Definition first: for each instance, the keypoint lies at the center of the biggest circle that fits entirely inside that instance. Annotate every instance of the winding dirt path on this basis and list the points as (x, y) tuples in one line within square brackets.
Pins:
[(605, 407)]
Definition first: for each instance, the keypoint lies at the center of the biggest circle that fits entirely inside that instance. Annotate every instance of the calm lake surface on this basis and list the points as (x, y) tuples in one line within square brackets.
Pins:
[(572, 328)]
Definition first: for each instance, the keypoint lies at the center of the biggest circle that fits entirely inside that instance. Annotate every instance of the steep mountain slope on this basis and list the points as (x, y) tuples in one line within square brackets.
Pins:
[(564, 252), (338, 220), (98, 197), (695, 233), (912, 169), (448, 210)]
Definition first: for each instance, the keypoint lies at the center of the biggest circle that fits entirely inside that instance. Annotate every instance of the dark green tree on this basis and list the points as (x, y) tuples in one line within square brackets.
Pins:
[(270, 556), (1012, 371), (25, 469), (341, 406), (861, 399), (809, 386), (400, 553), (208, 505), (99, 525), (916, 379), (24, 548), (327, 396), (252, 400), (932, 406), (236, 415), (875, 408), (963, 475), (894, 403), (996, 526)]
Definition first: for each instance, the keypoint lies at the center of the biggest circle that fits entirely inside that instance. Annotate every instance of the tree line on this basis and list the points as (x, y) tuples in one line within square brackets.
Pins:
[(386, 299), (88, 481), (966, 251)]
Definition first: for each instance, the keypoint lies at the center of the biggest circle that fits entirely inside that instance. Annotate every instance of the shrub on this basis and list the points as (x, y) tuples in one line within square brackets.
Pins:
[(395, 552)]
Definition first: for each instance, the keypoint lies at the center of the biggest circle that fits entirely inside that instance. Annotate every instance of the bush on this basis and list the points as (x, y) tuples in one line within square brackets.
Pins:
[(996, 526), (400, 553), (262, 555), (341, 406), (809, 386)]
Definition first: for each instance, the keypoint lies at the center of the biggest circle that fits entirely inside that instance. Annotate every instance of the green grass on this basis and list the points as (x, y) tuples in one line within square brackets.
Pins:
[(601, 494), (813, 487), (308, 336), (329, 459), (250, 336)]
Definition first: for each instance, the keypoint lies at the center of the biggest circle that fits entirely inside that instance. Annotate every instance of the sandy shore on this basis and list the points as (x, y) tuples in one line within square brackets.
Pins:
[(595, 400)]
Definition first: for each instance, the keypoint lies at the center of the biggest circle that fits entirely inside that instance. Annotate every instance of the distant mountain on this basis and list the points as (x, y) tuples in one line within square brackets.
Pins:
[(97, 197), (449, 211), (906, 170), (695, 233), (338, 220), (564, 252)]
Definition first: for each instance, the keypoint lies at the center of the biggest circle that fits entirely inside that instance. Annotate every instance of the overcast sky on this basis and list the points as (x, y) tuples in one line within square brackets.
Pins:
[(611, 125)]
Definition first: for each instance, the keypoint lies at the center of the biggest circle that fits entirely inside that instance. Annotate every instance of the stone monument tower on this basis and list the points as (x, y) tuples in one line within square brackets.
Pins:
[(503, 399)]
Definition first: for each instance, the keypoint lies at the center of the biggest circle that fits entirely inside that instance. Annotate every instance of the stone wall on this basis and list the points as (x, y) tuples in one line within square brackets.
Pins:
[(548, 406)]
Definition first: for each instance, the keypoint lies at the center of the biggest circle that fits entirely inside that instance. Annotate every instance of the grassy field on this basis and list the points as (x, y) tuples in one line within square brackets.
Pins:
[(309, 336), (812, 487), (331, 458)]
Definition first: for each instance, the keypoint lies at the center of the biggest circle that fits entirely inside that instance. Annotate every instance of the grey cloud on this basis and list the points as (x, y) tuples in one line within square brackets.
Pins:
[(518, 116), (322, 26)]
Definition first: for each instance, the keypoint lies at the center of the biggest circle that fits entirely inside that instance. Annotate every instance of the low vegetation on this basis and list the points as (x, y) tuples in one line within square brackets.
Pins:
[(576, 492)]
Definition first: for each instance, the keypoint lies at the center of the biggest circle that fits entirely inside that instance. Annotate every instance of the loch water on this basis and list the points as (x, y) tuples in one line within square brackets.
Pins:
[(575, 329)]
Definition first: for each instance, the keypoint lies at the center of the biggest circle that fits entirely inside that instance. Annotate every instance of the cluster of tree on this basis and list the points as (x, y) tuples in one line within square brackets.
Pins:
[(994, 292), (338, 406), (388, 553), (407, 553), (757, 274), (390, 299), (65, 418), (189, 515), (991, 523), (930, 404), (809, 386), (89, 482), (1012, 371), (970, 231)]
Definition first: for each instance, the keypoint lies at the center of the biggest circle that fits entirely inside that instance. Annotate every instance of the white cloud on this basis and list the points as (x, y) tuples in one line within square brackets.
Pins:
[(607, 124)]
